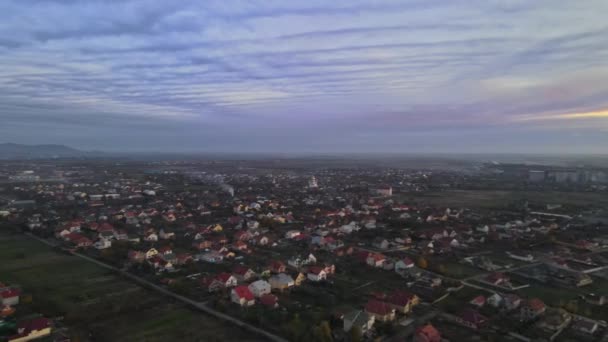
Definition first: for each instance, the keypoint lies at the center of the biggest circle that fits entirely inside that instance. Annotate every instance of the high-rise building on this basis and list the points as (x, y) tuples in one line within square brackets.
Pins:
[(536, 176)]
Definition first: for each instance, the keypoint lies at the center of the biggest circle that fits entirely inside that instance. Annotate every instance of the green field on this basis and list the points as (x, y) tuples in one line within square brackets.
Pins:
[(493, 199), (97, 303)]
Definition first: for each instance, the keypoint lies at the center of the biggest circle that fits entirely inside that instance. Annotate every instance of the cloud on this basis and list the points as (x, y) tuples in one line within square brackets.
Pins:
[(273, 73), (600, 114)]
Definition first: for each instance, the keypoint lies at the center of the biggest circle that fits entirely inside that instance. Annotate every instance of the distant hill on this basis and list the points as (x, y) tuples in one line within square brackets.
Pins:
[(18, 151)]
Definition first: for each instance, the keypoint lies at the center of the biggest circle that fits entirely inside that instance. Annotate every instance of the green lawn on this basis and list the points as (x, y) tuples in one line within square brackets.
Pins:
[(94, 300)]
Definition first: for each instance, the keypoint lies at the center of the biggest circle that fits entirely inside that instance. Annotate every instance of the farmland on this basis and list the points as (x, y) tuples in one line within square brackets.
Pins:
[(97, 304)]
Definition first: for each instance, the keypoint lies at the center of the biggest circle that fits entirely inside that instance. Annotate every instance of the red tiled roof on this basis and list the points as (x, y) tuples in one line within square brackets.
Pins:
[(472, 316), (31, 325), (401, 298), (105, 227), (535, 304), (223, 277), (376, 256), (315, 270), (378, 307), (244, 292), (269, 300), (428, 333), (240, 270), (10, 293)]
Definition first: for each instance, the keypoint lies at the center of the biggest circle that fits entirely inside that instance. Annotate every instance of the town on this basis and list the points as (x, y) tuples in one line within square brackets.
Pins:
[(306, 250)]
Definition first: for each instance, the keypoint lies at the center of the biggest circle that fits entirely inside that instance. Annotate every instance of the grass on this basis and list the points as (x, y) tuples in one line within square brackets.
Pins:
[(491, 199), (94, 300)]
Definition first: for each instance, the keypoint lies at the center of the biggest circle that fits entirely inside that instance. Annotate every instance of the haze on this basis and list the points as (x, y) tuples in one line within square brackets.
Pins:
[(306, 76)]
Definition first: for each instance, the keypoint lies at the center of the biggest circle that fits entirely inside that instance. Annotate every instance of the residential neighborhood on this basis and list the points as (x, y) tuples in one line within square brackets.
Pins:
[(320, 253)]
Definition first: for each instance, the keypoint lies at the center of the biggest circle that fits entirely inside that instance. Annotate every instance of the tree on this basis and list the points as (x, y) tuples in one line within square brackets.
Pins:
[(422, 263), (325, 332), (356, 335)]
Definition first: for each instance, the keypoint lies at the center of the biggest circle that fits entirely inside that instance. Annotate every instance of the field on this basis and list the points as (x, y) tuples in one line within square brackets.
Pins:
[(491, 199), (96, 304)]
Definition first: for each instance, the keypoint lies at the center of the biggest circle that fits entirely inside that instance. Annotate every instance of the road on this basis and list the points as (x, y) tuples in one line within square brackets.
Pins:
[(197, 305)]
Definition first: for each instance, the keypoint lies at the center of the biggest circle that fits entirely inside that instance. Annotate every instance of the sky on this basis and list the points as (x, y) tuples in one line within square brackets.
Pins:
[(315, 76)]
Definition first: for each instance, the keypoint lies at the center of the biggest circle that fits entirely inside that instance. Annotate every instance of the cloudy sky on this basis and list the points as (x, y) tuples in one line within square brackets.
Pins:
[(306, 76)]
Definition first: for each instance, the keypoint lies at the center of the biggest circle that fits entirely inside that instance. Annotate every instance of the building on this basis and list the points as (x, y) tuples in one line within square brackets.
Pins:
[(260, 288), (402, 301), (31, 329), (531, 309), (360, 319), (312, 183), (427, 333), (269, 301), (242, 295), (242, 273), (281, 281), (536, 176), (381, 311), (316, 273), (10, 296)]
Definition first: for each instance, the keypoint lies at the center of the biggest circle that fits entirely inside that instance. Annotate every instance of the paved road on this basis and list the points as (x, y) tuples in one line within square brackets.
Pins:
[(199, 306)]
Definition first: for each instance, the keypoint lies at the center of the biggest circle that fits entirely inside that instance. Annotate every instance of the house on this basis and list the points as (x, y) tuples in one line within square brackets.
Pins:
[(79, 240), (297, 262), (260, 240), (359, 319), (31, 329), (316, 273), (585, 326), (10, 296), (102, 244), (151, 237), (497, 279), (471, 318), (239, 246), (151, 252), (555, 320), (381, 311), (183, 258), (226, 279), (511, 301), (402, 301), (403, 265), (269, 301), (259, 288), (166, 235), (478, 301), (6, 311), (291, 234), (242, 296), (427, 333), (202, 244), (531, 309), (242, 273), (300, 279), (380, 243), (277, 266), (121, 235), (213, 257), (160, 264), (281, 281), (495, 300), (136, 256), (375, 259)]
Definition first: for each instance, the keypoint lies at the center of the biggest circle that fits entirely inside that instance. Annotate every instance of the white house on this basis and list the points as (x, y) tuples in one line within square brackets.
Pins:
[(360, 319), (316, 274), (102, 244), (259, 288), (242, 295), (281, 281)]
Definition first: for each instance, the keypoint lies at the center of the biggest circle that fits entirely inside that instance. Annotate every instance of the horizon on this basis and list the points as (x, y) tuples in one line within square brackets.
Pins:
[(347, 77)]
